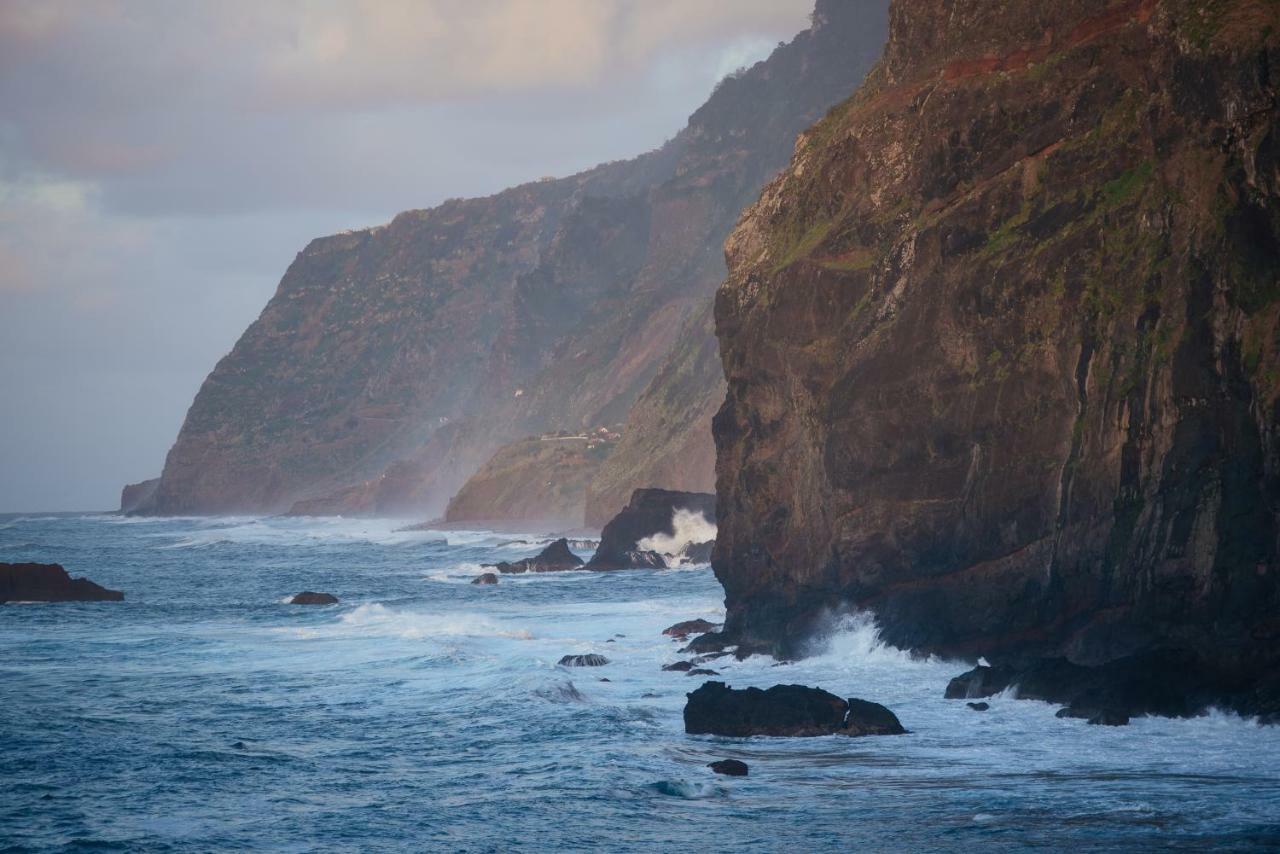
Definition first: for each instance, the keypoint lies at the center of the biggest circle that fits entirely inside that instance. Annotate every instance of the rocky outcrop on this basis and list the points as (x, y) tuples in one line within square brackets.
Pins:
[(1001, 345), (688, 627), (430, 342), (310, 597), (135, 495), (783, 710), (588, 660), (49, 582), (729, 767), (485, 578), (542, 479), (556, 557), (630, 539)]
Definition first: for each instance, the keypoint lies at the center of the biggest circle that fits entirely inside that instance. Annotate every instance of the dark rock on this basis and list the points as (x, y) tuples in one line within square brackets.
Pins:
[(310, 598), (679, 666), (49, 582), (605, 679), (698, 552), (486, 578), (979, 707), (589, 660), (554, 558), (611, 640), (1108, 492), (981, 681), (783, 710), (1109, 717), (711, 642), (703, 671), (688, 627), (239, 745), (650, 512), (729, 767)]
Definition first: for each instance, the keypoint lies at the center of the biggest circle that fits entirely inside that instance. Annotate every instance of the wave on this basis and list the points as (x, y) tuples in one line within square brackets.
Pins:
[(855, 637), (376, 618), (690, 528)]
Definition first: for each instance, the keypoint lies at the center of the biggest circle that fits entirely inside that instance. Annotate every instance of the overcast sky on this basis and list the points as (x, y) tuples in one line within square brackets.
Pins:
[(161, 163)]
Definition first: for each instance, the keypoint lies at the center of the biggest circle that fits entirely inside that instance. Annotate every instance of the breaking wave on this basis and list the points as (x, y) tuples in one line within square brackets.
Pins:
[(690, 528)]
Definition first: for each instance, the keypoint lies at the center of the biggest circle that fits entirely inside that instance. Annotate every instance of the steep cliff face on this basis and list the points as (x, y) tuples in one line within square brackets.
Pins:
[(667, 438), (430, 342), (540, 479), (1002, 342)]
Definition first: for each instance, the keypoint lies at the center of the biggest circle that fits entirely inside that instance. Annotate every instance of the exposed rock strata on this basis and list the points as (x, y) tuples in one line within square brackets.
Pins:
[(49, 582), (1001, 345), (392, 362)]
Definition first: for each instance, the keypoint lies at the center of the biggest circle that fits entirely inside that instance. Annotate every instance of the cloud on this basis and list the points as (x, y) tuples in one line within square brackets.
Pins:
[(161, 163)]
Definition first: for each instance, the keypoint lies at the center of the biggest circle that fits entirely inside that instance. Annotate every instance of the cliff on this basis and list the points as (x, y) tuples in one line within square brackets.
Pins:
[(667, 438), (1001, 343), (542, 479), (428, 343)]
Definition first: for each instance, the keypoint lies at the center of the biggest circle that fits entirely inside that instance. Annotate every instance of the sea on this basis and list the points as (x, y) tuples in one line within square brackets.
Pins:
[(425, 713)]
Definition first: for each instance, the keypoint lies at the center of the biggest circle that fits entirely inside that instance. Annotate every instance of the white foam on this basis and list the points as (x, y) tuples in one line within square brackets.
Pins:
[(376, 618), (690, 528)]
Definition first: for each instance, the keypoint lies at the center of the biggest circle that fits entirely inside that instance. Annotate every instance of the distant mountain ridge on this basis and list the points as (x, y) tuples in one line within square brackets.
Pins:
[(392, 362)]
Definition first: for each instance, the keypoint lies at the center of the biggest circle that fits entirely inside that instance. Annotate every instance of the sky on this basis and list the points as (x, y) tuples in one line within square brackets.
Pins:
[(162, 163)]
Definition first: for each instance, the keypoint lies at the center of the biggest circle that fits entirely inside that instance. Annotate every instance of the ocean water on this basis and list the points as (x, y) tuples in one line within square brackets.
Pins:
[(428, 714)]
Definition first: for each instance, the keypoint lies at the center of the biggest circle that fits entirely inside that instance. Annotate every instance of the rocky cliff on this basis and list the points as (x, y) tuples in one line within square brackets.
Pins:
[(428, 343), (1003, 343), (540, 479)]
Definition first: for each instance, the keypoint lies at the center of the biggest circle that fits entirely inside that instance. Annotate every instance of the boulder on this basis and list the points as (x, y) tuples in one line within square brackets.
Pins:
[(783, 710), (49, 582), (308, 597), (556, 557), (703, 671), (486, 578), (679, 666), (697, 552), (979, 707), (589, 660), (981, 681), (729, 767), (688, 627), (650, 512)]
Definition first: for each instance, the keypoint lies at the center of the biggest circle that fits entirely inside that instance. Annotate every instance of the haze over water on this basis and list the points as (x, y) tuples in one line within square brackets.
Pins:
[(424, 712)]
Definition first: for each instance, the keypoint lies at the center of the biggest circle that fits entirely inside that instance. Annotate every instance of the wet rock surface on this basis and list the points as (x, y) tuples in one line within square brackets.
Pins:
[(308, 597), (556, 557), (486, 578), (588, 660), (49, 582), (649, 513), (729, 767), (783, 710)]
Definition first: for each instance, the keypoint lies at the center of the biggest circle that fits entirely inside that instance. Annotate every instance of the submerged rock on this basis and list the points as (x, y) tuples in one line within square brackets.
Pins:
[(650, 513), (310, 598), (703, 671), (729, 767), (556, 557), (679, 666), (979, 707), (486, 578), (783, 710), (589, 660), (682, 630), (49, 582)]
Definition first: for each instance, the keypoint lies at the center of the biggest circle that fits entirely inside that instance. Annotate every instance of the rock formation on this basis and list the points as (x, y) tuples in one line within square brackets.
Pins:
[(729, 767), (588, 660), (309, 597), (49, 582), (136, 495), (1002, 345), (783, 710), (392, 362), (649, 514), (556, 557), (485, 578)]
